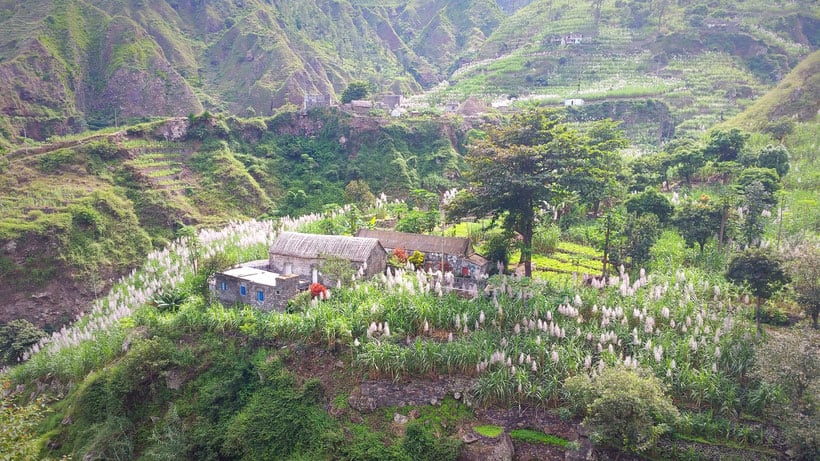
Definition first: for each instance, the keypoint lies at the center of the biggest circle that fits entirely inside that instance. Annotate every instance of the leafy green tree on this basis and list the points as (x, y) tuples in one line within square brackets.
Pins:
[(725, 146), (642, 232), (335, 268), (648, 171), (761, 273), (687, 160), (767, 177), (650, 201), (358, 192), (624, 409), (518, 169), (697, 221), (418, 222), (755, 200), (16, 337), (355, 90), (497, 250), (775, 157), (596, 180)]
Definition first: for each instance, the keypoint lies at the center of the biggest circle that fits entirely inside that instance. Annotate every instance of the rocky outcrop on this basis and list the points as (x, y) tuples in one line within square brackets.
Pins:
[(478, 448)]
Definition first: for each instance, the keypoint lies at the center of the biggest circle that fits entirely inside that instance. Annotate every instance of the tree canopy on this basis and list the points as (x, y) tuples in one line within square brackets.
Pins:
[(530, 163), (760, 272), (355, 90)]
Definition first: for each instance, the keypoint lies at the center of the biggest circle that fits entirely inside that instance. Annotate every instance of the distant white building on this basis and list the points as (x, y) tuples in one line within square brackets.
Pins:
[(573, 102)]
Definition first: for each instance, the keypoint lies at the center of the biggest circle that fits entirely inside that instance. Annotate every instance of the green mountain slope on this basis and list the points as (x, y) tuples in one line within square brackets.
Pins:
[(796, 97), (71, 64), (77, 213)]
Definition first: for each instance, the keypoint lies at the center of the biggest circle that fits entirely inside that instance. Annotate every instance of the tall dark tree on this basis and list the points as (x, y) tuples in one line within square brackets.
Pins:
[(597, 180), (518, 169), (761, 273), (697, 221), (725, 146), (355, 90)]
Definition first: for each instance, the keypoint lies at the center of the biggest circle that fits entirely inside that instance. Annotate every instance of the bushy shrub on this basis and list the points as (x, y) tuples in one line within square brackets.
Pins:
[(416, 259), (275, 423), (16, 337), (421, 444), (624, 409)]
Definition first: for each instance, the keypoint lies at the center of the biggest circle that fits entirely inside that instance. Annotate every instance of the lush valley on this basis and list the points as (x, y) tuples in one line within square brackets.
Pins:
[(655, 278)]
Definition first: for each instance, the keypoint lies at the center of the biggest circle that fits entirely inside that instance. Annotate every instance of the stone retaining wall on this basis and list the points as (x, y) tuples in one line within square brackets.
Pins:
[(375, 394)]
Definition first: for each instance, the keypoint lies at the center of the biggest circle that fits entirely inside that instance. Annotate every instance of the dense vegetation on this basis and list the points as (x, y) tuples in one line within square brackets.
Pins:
[(86, 211), (657, 284), (148, 374)]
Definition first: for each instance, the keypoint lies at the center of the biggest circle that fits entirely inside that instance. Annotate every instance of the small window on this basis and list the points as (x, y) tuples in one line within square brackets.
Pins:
[(223, 286), (260, 295), (278, 292), (243, 290)]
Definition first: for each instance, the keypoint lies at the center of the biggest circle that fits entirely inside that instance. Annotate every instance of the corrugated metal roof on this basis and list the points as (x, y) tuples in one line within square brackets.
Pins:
[(253, 275), (314, 246), (424, 243)]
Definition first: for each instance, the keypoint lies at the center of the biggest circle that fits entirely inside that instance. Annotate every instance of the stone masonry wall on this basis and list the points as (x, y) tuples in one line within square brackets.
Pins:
[(371, 395)]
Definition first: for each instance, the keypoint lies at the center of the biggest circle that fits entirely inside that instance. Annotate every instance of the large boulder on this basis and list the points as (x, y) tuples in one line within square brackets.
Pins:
[(487, 448)]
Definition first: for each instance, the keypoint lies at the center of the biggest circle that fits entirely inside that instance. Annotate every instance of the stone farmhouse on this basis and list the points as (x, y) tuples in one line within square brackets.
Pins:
[(295, 261), (255, 287), (303, 254), (447, 254), (293, 264)]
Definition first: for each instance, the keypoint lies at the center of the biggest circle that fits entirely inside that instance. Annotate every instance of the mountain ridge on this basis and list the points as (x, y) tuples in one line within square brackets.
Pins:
[(73, 64)]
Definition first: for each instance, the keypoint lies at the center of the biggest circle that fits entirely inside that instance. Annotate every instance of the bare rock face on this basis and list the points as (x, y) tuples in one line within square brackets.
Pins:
[(487, 449)]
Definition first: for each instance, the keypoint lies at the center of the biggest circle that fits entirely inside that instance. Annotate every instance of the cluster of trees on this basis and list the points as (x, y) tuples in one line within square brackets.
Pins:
[(535, 169), (536, 164)]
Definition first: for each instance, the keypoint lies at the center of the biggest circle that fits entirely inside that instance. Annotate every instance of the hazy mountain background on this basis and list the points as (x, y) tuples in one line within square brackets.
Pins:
[(70, 65)]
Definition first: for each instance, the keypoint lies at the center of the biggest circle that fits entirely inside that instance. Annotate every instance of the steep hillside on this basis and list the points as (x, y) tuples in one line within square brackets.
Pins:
[(796, 97), (76, 64), (76, 214), (704, 61)]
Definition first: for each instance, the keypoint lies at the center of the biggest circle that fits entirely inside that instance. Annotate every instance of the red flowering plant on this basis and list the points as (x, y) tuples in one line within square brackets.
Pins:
[(398, 258), (317, 290)]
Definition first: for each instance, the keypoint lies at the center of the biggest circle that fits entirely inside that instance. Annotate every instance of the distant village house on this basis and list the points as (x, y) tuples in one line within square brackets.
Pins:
[(313, 101)]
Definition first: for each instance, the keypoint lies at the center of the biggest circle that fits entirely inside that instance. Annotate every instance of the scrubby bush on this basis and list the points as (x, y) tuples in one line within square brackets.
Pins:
[(624, 409), (421, 444)]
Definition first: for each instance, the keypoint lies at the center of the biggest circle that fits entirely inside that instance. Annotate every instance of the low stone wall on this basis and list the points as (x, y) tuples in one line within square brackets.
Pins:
[(371, 395)]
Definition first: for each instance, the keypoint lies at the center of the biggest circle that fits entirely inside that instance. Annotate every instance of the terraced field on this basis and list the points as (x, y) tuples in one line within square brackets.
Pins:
[(163, 165)]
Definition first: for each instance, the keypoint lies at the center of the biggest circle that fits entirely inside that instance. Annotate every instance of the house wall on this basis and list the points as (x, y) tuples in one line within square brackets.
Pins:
[(275, 297), (376, 263), (303, 267), (453, 263)]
